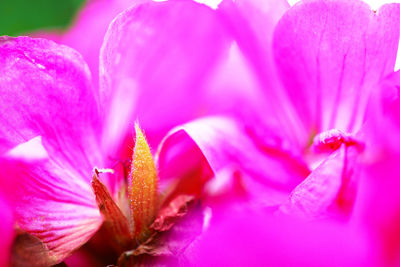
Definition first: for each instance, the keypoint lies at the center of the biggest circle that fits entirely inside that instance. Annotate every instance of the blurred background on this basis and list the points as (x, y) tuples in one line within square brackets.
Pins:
[(18, 17)]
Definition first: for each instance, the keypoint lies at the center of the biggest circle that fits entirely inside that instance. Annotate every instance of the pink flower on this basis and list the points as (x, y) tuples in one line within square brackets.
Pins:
[(58, 126), (49, 142), (331, 56), (50, 145), (308, 78), (299, 154), (378, 205), (254, 238)]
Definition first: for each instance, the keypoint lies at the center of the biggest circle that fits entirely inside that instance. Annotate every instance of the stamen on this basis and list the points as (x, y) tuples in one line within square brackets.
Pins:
[(98, 170), (143, 186), (332, 140)]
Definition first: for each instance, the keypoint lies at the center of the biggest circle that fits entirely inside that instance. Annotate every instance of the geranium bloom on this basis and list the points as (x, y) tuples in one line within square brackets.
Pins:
[(330, 63), (51, 142), (50, 122), (155, 63), (371, 239), (378, 207), (330, 55), (52, 131)]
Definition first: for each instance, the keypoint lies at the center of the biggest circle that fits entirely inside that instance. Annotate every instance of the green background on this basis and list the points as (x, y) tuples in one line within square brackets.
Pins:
[(23, 16)]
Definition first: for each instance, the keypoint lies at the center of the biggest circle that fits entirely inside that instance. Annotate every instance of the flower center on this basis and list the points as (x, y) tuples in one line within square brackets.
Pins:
[(332, 140), (327, 142), (132, 226)]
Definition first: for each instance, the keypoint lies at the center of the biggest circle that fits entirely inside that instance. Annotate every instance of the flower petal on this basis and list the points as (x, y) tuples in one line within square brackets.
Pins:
[(52, 203), (255, 239), (330, 55), (6, 231), (45, 90), (154, 60), (379, 204), (378, 201), (226, 144), (329, 189), (251, 23)]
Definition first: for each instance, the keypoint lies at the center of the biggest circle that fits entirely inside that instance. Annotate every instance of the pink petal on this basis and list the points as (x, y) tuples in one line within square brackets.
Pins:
[(6, 232), (329, 190), (382, 127), (390, 94), (378, 203), (155, 58), (53, 203), (252, 24), (183, 169), (45, 90), (82, 258), (226, 145), (330, 55), (255, 239)]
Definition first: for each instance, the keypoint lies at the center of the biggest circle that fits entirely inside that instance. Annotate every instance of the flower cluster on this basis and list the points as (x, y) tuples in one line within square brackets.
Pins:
[(277, 131)]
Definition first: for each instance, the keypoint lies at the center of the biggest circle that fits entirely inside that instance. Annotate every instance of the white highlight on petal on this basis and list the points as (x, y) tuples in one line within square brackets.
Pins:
[(207, 217), (397, 66), (374, 4), (213, 4), (32, 149), (121, 109), (292, 2), (220, 182)]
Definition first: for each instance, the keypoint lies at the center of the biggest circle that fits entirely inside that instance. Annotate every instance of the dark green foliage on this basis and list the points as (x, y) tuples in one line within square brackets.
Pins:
[(23, 16)]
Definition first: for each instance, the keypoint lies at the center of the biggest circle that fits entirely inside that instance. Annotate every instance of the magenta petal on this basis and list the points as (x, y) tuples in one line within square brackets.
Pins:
[(6, 232), (154, 60), (252, 23), (45, 90), (378, 206), (378, 201), (329, 190), (391, 96), (330, 55), (254, 239), (226, 146), (51, 202)]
